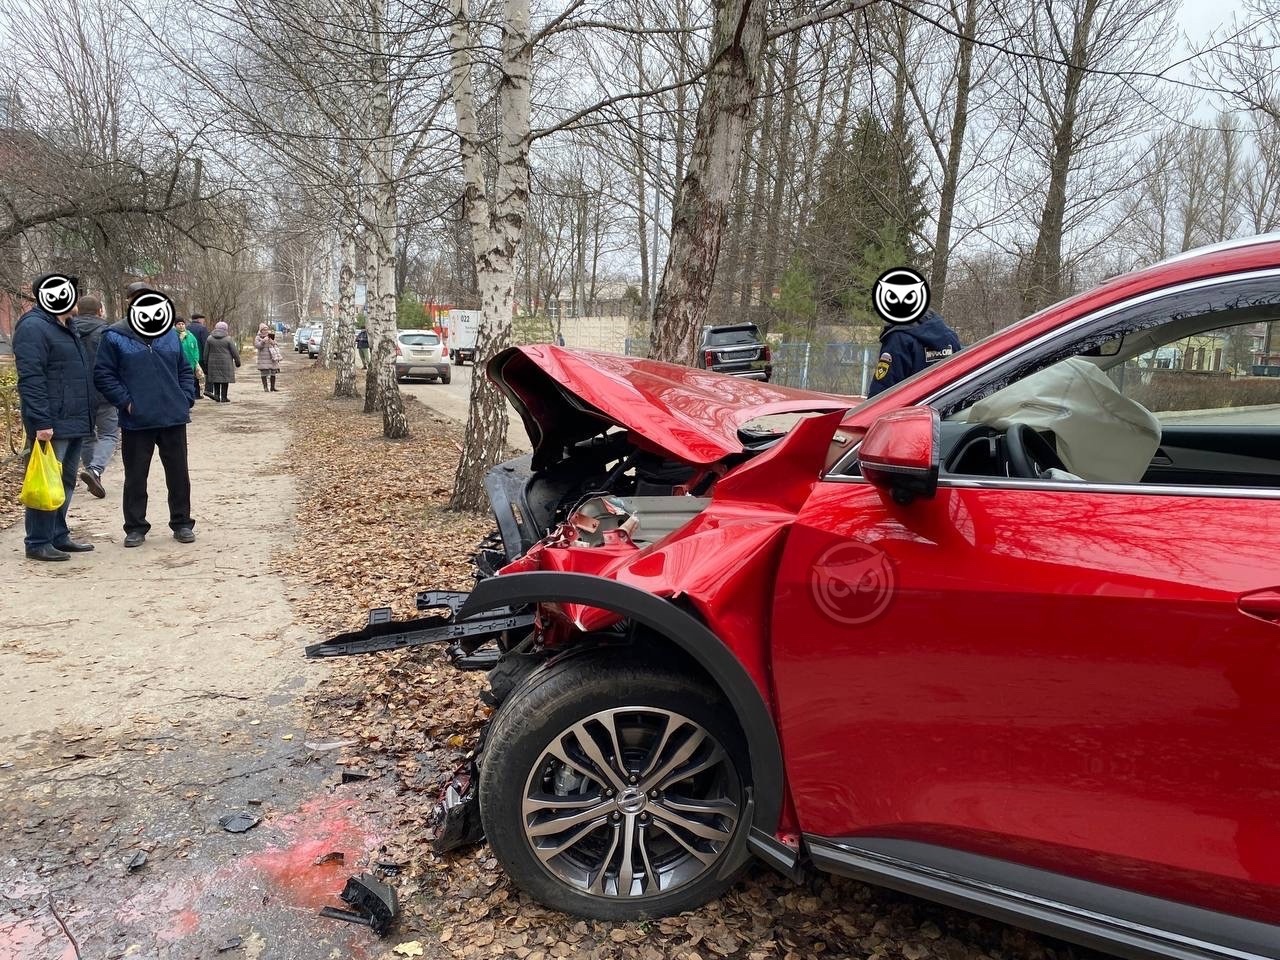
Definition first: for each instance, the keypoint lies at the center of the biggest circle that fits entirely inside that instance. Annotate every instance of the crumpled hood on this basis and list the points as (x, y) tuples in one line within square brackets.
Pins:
[(692, 415)]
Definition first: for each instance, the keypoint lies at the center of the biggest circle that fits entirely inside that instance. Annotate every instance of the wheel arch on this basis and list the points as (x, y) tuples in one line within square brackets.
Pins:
[(690, 635)]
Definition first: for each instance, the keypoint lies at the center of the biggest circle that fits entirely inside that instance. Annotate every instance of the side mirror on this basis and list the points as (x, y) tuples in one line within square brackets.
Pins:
[(900, 453)]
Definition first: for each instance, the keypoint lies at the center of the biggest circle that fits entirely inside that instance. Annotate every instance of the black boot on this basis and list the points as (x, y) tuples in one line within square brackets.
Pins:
[(273, 384), (264, 383)]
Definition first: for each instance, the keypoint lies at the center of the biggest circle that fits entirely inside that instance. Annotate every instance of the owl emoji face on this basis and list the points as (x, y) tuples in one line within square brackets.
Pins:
[(57, 294), (151, 315), (901, 295)]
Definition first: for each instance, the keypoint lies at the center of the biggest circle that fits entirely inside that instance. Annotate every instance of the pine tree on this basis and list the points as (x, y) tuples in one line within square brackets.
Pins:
[(868, 217)]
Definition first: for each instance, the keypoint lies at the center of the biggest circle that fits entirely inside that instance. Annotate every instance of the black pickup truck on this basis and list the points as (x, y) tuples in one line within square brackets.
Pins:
[(736, 349)]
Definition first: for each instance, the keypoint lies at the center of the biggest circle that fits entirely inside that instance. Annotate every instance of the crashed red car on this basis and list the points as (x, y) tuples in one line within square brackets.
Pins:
[(1000, 637)]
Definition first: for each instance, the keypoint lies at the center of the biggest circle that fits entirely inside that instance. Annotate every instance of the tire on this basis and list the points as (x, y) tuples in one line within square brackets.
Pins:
[(457, 360), (446, 377), (523, 786)]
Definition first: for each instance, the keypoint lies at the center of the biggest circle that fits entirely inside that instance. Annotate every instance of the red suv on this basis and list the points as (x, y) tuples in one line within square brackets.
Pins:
[(1006, 636)]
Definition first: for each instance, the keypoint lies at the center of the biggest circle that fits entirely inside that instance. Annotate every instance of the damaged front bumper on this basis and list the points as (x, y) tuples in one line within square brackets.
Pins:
[(474, 643), (468, 639)]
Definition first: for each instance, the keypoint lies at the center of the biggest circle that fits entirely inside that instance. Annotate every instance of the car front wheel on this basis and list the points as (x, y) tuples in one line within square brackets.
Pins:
[(614, 789)]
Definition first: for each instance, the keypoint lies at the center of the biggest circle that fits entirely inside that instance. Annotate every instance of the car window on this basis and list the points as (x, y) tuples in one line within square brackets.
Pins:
[(1226, 375), (419, 339), (1191, 401), (1229, 372), (724, 338)]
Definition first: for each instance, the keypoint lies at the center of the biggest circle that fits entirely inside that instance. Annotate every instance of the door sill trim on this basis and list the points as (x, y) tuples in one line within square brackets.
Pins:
[(1102, 917)]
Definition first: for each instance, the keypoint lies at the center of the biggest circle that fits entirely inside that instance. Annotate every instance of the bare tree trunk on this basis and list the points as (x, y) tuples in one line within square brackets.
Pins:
[(781, 174), (326, 304), (580, 267), (1045, 281), (395, 424), (372, 314), (730, 267), (497, 229), (764, 162), (698, 222), (1227, 177), (344, 384), (955, 150), (809, 162)]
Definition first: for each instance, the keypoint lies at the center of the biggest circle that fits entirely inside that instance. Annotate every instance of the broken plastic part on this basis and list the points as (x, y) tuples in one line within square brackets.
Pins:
[(373, 904), (239, 822), (457, 815)]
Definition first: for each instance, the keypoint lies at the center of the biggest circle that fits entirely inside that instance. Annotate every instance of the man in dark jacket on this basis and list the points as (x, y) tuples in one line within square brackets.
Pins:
[(362, 346), (54, 385), (152, 386), (907, 348), (197, 326), (97, 450)]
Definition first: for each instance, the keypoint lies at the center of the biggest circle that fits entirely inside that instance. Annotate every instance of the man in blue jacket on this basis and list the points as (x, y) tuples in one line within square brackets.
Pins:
[(141, 370), (54, 387), (907, 348)]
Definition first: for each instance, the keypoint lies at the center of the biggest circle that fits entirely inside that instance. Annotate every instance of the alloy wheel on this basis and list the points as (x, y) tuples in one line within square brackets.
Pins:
[(631, 803)]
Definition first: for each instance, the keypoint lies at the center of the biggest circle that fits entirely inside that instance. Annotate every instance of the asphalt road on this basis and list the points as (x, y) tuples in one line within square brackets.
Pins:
[(454, 399)]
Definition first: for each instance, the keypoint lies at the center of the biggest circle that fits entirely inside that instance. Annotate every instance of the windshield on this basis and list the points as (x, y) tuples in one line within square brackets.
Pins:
[(419, 339)]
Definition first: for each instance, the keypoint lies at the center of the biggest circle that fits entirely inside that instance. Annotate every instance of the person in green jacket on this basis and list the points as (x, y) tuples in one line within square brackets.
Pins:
[(190, 350)]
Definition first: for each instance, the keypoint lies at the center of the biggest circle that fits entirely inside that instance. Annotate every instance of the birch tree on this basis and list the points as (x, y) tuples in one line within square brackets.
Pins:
[(684, 296), (345, 97), (496, 220)]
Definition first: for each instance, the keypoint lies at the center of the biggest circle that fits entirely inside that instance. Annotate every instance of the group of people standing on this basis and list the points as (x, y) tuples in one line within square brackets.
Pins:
[(216, 355), (87, 385), (211, 353)]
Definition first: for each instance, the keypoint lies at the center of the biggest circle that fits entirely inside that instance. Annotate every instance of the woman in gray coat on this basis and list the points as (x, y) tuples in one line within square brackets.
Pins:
[(221, 357)]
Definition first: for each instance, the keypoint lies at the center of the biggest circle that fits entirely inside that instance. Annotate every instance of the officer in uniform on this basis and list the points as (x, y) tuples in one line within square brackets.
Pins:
[(908, 348)]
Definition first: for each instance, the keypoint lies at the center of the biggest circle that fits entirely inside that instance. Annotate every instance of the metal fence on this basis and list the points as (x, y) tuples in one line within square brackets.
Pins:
[(844, 368)]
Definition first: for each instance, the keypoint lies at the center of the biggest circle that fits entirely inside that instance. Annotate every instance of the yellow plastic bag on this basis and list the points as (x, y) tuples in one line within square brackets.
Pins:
[(42, 486)]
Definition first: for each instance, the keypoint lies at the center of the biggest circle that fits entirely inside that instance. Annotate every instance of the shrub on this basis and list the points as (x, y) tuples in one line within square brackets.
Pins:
[(1170, 390)]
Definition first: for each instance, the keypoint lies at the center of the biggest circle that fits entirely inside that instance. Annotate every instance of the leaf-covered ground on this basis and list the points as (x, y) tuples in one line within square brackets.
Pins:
[(373, 530)]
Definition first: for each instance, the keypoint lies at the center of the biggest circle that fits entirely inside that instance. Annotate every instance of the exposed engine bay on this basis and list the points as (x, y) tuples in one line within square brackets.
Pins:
[(605, 484)]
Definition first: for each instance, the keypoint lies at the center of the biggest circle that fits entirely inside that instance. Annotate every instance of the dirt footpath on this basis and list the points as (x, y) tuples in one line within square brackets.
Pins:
[(149, 692)]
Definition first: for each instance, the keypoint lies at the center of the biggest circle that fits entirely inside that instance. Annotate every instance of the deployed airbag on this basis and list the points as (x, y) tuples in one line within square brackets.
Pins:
[(1101, 434)]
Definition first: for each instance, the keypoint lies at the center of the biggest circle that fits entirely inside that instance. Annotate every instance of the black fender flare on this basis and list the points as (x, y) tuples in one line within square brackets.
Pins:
[(682, 629)]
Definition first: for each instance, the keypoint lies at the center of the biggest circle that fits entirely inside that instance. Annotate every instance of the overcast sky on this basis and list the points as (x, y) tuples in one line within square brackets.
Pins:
[(1200, 17)]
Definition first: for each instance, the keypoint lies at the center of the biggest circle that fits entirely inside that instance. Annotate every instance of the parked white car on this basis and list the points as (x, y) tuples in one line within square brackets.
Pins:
[(419, 353)]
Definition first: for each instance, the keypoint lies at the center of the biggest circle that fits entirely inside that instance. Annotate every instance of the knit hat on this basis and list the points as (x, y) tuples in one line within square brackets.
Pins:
[(221, 325)]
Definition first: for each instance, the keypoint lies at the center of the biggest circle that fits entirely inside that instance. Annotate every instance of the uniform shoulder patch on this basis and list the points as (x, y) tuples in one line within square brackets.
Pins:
[(882, 368)]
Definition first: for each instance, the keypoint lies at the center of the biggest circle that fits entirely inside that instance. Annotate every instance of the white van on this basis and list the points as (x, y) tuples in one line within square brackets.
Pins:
[(463, 325)]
